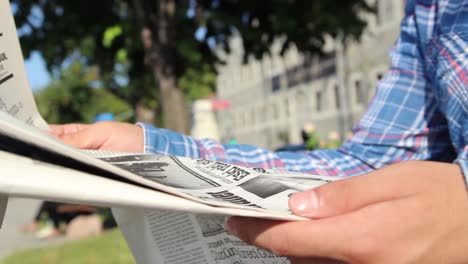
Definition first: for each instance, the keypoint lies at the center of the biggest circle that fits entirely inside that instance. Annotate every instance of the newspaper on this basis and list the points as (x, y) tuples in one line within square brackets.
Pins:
[(170, 209), (156, 236), (15, 98), (15, 95)]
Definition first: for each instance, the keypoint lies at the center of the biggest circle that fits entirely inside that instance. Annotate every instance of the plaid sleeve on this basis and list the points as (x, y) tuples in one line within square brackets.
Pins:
[(403, 120), (402, 123), (323, 162)]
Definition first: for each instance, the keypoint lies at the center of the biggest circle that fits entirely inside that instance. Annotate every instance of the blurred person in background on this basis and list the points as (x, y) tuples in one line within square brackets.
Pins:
[(409, 203), (310, 140), (55, 217)]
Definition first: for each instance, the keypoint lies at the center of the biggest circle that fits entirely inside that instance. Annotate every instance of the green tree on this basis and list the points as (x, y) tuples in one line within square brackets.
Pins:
[(72, 98), (124, 37)]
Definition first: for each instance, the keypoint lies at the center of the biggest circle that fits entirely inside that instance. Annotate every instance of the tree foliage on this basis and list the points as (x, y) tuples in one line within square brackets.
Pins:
[(171, 44), (303, 23), (72, 98)]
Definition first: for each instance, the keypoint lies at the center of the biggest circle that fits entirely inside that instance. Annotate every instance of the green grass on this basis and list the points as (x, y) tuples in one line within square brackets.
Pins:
[(109, 247)]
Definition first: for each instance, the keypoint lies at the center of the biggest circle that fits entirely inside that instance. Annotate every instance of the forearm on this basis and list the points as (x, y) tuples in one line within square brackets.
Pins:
[(338, 162)]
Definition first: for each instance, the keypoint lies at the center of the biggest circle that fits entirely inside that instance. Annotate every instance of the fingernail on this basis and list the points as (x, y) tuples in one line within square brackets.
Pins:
[(231, 227), (304, 203)]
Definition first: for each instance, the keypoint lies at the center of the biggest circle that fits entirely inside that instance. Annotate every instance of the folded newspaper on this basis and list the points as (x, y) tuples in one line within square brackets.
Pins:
[(170, 209)]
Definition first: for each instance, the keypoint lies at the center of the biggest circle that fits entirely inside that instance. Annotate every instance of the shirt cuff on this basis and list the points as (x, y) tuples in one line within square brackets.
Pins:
[(463, 163), (145, 137), (167, 142)]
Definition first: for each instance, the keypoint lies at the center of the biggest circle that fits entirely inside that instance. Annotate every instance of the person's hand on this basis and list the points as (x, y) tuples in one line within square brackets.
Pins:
[(412, 212), (112, 136)]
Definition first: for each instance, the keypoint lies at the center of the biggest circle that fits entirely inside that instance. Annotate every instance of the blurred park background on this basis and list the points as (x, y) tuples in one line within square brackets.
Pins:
[(279, 74)]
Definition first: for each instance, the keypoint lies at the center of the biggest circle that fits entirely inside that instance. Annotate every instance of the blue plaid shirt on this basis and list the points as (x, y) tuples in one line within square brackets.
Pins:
[(419, 111)]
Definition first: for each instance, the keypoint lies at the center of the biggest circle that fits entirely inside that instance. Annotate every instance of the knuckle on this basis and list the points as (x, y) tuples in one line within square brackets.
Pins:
[(330, 194), (325, 196)]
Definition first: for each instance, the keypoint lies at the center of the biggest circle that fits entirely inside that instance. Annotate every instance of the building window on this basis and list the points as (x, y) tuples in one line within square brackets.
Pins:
[(294, 76), (337, 97), (360, 93), (275, 83), (319, 101)]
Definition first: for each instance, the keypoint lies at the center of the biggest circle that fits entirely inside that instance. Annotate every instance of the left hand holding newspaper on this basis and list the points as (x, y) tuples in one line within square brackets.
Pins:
[(189, 194), (123, 138)]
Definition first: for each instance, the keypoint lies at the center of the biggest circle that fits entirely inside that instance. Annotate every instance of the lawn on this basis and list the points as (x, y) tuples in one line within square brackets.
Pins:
[(109, 247)]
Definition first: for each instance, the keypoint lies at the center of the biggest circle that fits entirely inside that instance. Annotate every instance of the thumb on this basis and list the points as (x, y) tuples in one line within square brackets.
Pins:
[(349, 194)]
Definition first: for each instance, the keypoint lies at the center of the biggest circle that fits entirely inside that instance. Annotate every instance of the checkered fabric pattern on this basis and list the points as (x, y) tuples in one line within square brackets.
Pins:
[(419, 111)]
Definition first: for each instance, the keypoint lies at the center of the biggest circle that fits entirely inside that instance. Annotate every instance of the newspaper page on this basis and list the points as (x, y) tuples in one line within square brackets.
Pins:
[(163, 237), (29, 178), (15, 95), (217, 183), (157, 236)]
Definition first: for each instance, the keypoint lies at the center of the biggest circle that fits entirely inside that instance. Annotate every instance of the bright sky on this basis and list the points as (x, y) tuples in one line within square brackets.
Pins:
[(36, 71), (35, 67)]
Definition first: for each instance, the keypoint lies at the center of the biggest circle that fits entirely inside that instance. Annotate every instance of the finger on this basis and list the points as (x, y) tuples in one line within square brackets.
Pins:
[(87, 138), (351, 194), (59, 130), (351, 237), (302, 239)]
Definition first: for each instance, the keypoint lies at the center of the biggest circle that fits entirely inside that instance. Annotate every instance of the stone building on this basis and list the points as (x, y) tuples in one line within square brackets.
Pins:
[(272, 99)]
